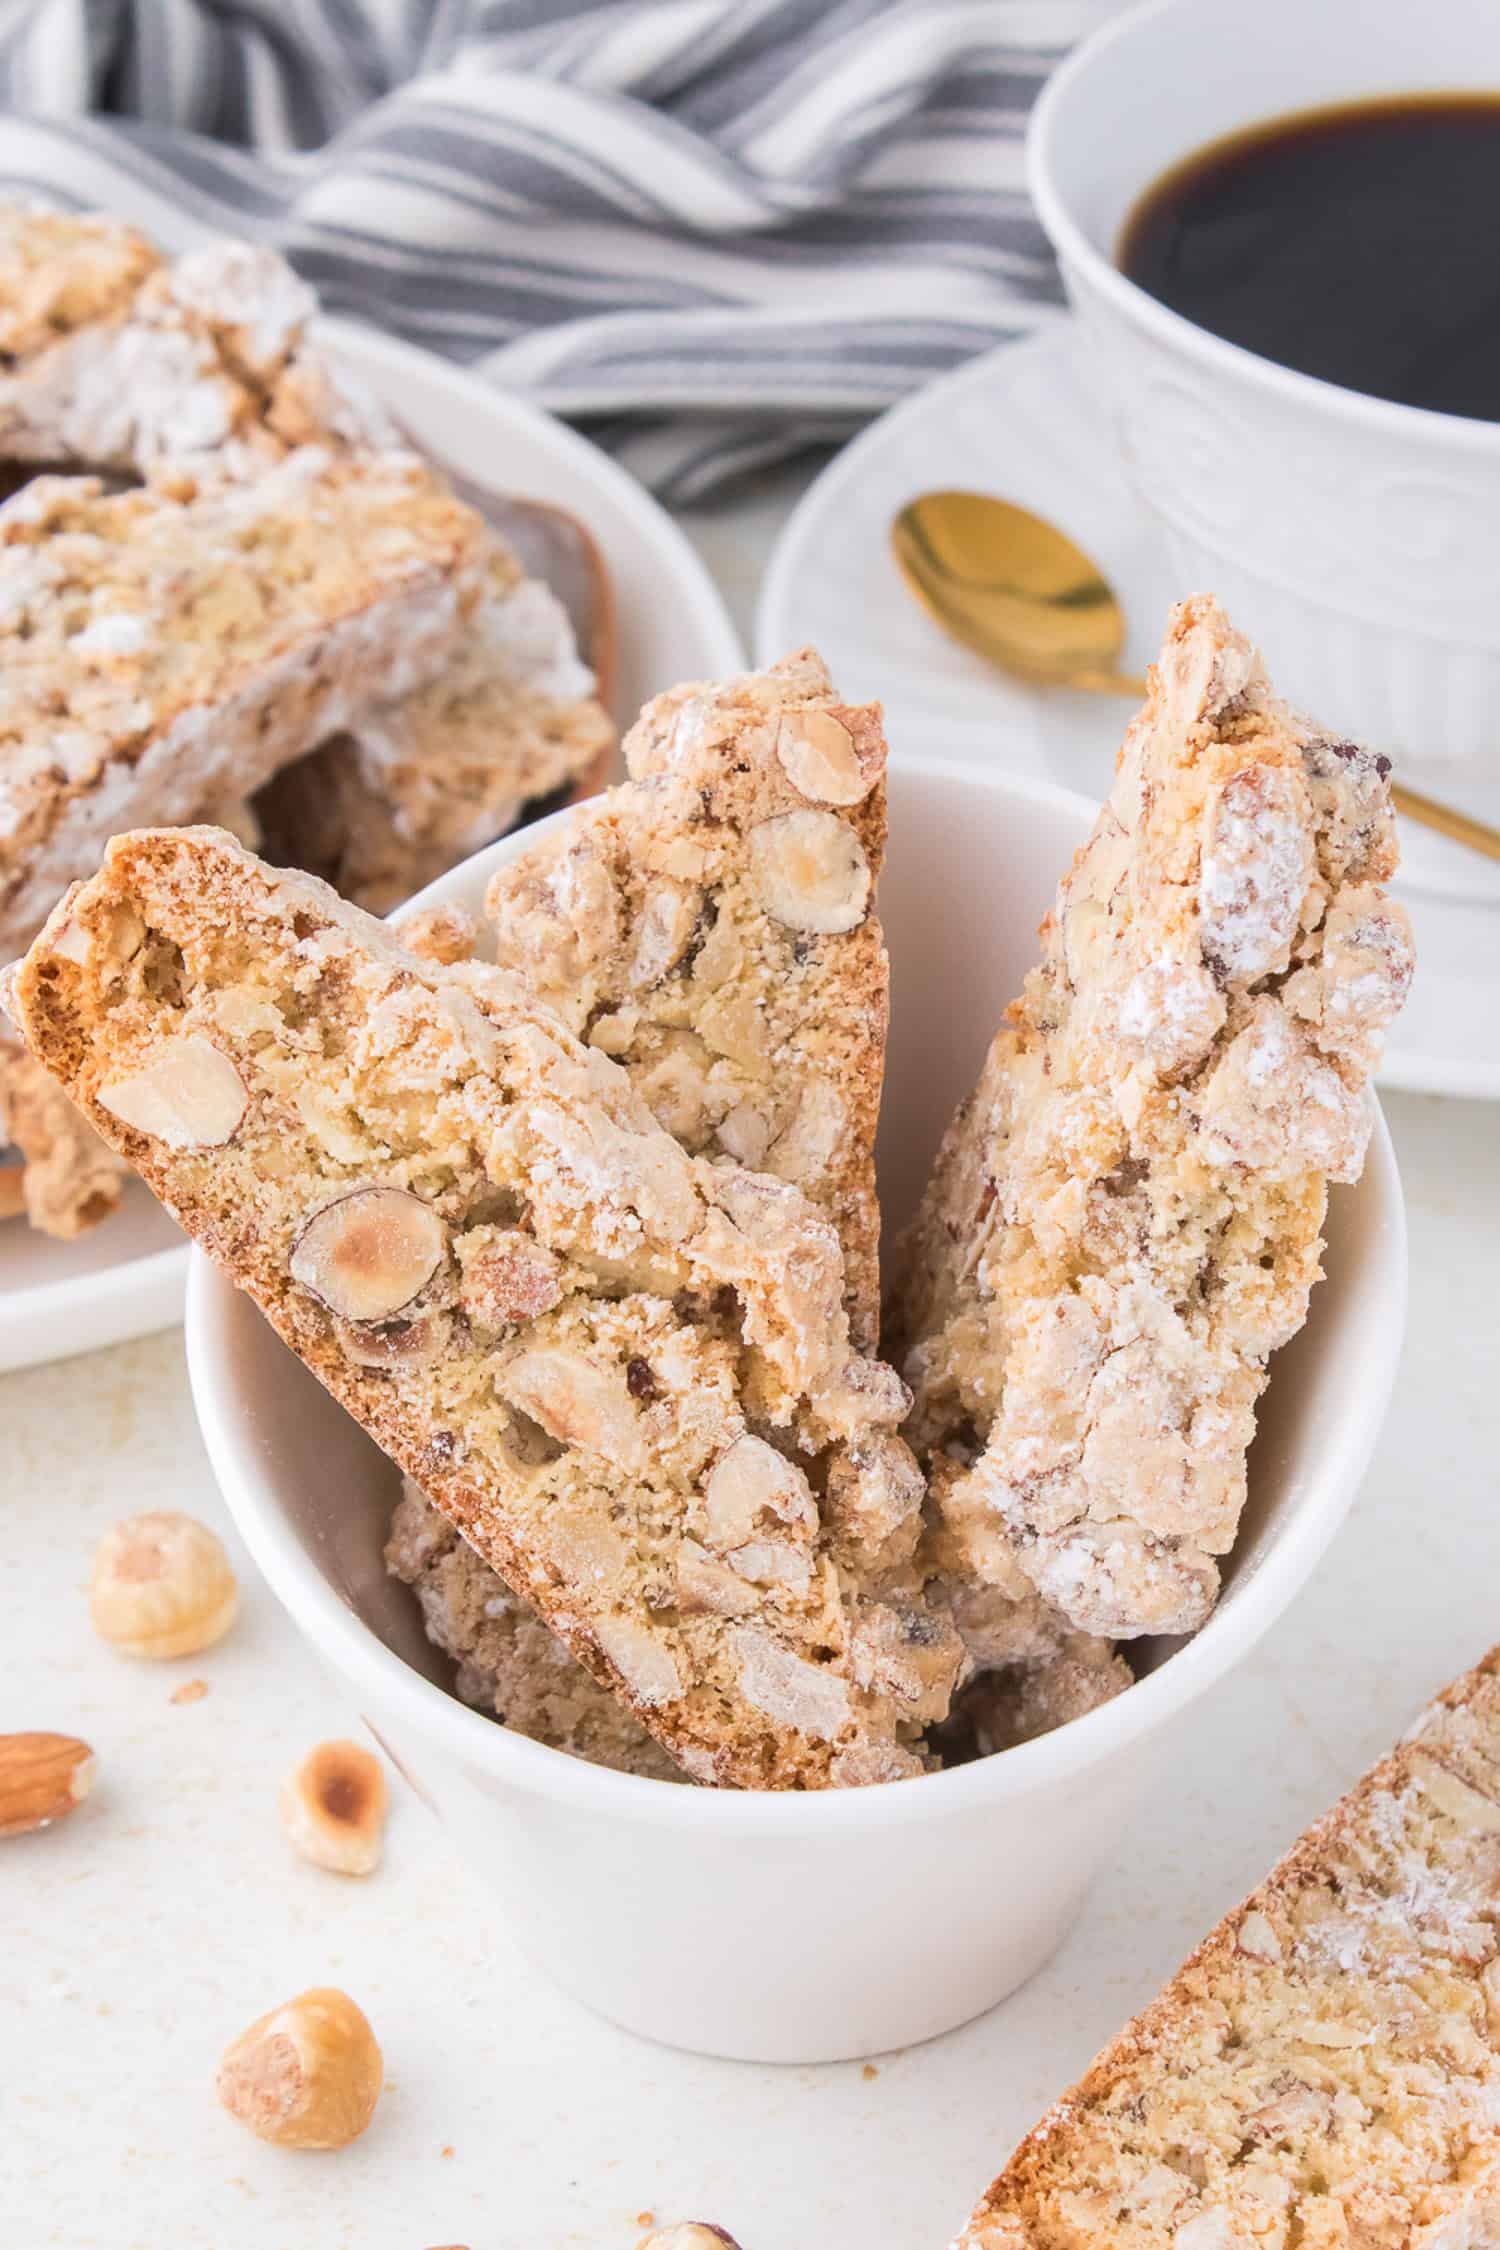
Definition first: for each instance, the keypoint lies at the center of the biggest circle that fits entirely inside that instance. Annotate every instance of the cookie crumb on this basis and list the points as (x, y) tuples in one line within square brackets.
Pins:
[(869, 2071), (191, 1691)]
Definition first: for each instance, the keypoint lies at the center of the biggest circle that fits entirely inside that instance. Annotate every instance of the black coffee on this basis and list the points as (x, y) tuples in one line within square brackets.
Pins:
[(1357, 243)]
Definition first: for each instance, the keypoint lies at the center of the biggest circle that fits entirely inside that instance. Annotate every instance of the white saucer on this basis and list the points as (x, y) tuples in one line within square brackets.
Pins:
[(127, 1277), (1022, 421)]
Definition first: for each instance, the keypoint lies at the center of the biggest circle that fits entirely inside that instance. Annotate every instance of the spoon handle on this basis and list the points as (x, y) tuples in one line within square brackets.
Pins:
[(1447, 820)]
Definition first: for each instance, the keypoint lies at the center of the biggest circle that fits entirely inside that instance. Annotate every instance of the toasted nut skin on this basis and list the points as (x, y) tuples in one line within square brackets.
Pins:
[(162, 1586), (188, 1095), (369, 1253), (333, 1808), (42, 1777), (308, 2075), (690, 2234)]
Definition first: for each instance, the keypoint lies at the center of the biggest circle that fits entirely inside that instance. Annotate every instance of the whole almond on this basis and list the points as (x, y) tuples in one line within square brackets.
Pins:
[(42, 1777)]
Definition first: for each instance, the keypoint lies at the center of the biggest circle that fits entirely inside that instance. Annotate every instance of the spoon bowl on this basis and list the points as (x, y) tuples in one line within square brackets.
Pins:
[(1020, 593), (1014, 588)]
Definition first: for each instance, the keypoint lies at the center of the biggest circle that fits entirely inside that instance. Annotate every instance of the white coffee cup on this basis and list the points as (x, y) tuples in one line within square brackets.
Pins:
[(777, 1927), (1354, 539)]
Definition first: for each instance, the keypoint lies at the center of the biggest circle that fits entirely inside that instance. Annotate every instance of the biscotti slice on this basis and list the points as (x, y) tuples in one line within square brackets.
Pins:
[(68, 1179), (1325, 2070), (1125, 1218), (623, 1373), (164, 650), (416, 786), (116, 360), (61, 272), (711, 924), (508, 1661)]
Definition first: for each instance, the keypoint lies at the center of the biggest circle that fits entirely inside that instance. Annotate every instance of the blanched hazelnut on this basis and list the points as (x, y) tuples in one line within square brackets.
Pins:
[(333, 1808), (306, 2076), (690, 2234), (809, 871), (162, 1586)]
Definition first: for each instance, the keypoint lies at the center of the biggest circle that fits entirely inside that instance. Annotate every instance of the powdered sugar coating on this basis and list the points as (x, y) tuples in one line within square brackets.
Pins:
[(164, 651), (647, 925), (202, 364), (412, 787), (1325, 2070), (698, 1305), (1125, 1218)]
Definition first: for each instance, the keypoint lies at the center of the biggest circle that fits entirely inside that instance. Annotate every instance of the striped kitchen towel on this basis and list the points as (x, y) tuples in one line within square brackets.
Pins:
[(715, 229)]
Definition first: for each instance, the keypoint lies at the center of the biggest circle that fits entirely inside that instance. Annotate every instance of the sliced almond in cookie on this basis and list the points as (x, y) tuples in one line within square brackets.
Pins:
[(368, 1254)]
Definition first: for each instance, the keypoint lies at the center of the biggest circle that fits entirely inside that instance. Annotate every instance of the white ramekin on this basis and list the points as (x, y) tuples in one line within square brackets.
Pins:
[(791, 1928), (1354, 539)]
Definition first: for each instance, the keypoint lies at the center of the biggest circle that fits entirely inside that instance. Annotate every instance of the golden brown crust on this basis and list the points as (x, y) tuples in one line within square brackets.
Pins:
[(685, 925), (1125, 1218), (1326, 2066), (623, 1373)]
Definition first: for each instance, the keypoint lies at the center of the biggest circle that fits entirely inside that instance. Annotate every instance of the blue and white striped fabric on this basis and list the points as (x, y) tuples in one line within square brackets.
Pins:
[(717, 229)]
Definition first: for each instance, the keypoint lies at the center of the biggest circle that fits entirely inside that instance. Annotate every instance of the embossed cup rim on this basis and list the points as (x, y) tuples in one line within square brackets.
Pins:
[(1105, 49)]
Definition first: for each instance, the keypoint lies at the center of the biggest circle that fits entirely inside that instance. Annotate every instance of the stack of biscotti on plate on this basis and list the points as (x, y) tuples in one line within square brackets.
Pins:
[(204, 368), (291, 625), (1325, 2070), (587, 1239)]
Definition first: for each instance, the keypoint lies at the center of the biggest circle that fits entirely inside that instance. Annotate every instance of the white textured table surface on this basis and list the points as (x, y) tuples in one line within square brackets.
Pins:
[(139, 1937)]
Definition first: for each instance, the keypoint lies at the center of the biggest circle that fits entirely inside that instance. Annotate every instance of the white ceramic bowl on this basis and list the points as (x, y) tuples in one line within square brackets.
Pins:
[(1352, 538), (805, 1928)]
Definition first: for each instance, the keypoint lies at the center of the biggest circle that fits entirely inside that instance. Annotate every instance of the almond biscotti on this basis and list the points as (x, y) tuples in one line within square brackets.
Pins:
[(414, 787), (711, 924), (1325, 2071), (1125, 1219), (115, 359), (68, 1180), (508, 1661), (206, 366), (164, 649), (624, 1373)]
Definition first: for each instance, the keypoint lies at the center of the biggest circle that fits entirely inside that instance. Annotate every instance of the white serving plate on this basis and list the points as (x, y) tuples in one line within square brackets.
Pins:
[(128, 1276), (1025, 422)]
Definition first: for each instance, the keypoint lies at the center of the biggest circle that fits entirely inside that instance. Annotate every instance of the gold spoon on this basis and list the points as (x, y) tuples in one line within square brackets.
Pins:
[(1015, 589)]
